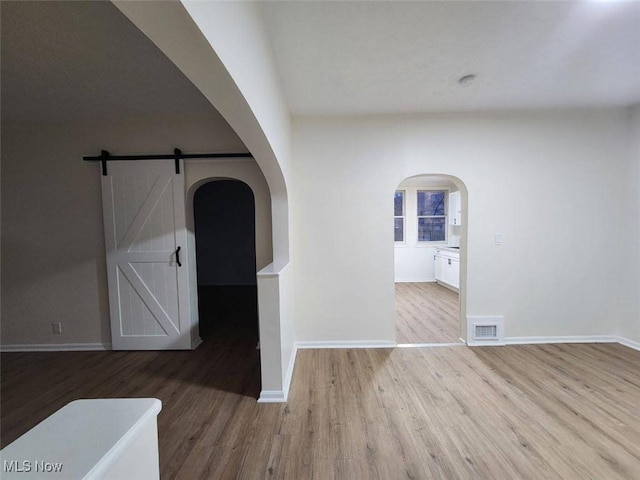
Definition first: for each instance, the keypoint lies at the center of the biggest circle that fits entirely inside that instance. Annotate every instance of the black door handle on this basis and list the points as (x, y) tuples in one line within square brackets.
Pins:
[(178, 256)]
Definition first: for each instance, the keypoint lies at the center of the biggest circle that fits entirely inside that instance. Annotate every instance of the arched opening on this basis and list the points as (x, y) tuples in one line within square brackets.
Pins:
[(204, 67), (430, 252), (225, 245)]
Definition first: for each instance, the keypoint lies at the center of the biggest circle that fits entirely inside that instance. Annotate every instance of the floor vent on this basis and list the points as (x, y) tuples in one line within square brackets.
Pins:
[(485, 330)]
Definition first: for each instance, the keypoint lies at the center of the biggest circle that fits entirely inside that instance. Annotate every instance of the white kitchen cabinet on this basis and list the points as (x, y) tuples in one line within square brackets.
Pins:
[(447, 275), (448, 267), (454, 273), (439, 260), (455, 208), (451, 274)]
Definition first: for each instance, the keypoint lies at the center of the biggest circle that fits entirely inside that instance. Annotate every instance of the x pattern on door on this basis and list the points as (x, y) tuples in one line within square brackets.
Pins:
[(144, 218)]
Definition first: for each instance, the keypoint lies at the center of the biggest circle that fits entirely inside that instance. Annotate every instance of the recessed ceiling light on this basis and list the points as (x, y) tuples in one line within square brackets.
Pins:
[(466, 80)]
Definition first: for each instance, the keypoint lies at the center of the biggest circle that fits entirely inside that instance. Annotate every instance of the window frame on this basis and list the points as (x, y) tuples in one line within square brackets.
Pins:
[(445, 193), (403, 217)]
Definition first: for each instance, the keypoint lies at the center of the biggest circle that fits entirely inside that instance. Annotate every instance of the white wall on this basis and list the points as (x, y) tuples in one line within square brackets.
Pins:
[(53, 257), (223, 50), (548, 181), (630, 235), (236, 32)]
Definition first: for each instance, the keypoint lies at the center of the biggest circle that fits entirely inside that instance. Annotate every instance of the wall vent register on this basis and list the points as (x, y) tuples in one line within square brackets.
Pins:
[(483, 332)]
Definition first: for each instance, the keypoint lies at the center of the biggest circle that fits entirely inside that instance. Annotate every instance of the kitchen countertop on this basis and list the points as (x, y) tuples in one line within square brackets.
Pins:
[(448, 248)]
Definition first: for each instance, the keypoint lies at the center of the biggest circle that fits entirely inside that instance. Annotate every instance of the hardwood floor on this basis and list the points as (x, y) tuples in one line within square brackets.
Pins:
[(426, 313), (519, 412)]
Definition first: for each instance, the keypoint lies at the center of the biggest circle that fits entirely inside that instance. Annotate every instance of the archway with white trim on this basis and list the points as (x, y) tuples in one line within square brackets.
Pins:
[(246, 94), (430, 260)]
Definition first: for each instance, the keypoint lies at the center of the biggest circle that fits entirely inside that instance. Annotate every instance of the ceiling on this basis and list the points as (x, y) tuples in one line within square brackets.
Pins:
[(393, 57), (86, 61)]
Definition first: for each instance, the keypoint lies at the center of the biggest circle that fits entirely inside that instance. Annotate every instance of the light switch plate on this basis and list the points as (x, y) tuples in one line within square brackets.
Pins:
[(499, 238)]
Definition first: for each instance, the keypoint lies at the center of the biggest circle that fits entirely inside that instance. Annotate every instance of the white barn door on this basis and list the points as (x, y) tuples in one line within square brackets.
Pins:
[(146, 240)]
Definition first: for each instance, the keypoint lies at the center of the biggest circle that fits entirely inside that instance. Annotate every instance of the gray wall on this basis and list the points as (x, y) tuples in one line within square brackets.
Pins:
[(53, 257)]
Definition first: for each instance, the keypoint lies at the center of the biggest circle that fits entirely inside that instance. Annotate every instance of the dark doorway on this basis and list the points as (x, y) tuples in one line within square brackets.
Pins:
[(224, 214)]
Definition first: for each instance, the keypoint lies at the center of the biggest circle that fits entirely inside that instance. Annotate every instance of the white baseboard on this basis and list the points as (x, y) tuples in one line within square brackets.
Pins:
[(289, 374), (415, 280), (195, 343), (347, 344), (561, 339), (446, 285), (430, 345), (281, 396), (629, 343), (272, 396), (55, 347)]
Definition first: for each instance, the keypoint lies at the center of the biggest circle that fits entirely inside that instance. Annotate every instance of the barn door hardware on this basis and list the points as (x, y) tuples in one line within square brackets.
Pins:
[(176, 156)]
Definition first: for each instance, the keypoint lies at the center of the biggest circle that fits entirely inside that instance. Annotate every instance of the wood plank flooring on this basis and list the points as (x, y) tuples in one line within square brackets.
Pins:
[(426, 313), (518, 412)]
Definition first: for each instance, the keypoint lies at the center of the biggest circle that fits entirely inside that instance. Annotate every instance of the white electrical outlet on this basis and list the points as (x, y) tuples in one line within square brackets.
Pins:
[(57, 328), (499, 238)]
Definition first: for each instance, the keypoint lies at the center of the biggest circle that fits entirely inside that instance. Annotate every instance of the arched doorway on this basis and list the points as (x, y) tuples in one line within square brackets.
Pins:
[(430, 260), (270, 149), (224, 227)]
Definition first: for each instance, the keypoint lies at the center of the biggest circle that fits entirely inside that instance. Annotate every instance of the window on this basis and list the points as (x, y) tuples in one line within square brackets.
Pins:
[(398, 216), (432, 218)]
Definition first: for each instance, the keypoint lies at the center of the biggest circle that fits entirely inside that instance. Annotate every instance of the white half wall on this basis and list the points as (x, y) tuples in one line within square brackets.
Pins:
[(548, 181), (277, 346), (53, 254)]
